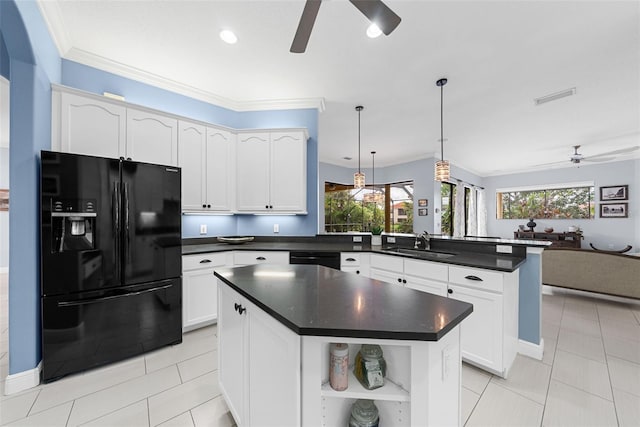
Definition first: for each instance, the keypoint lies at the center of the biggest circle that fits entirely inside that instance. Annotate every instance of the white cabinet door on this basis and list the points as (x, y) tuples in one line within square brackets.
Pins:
[(482, 332), (191, 138), (252, 172), (89, 126), (386, 276), (200, 298), (426, 285), (274, 381), (232, 360), (151, 138), (220, 169), (288, 172), (241, 258)]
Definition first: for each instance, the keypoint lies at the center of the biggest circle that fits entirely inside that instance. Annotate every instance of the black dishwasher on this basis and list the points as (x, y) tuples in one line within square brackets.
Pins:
[(327, 259)]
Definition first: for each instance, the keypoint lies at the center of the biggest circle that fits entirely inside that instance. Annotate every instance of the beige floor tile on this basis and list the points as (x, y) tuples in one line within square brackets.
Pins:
[(188, 349), (177, 400), (583, 310), (54, 417), (620, 313), (636, 313), (499, 406), (136, 415), (581, 325), (550, 330), (182, 420), (552, 314), (474, 378), (76, 386), (108, 400), (213, 413), (580, 372), (568, 406), (582, 345), (549, 354), (16, 407), (627, 408), (625, 331), (199, 365), (527, 377), (469, 401), (622, 349), (625, 375), (201, 333)]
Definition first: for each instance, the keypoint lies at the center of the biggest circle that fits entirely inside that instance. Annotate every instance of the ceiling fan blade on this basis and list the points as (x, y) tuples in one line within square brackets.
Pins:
[(614, 152), (378, 13), (305, 26)]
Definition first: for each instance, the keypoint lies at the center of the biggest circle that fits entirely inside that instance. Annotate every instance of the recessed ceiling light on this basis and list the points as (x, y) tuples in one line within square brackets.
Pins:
[(228, 37), (347, 158), (373, 31)]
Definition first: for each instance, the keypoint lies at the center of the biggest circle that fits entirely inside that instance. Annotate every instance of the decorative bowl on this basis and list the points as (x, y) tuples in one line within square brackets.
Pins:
[(548, 230), (235, 240)]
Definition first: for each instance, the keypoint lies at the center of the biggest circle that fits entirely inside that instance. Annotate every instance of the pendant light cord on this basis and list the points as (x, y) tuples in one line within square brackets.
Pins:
[(441, 123), (359, 110)]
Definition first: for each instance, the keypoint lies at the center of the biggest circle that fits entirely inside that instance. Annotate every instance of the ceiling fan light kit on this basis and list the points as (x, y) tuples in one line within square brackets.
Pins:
[(442, 169), (384, 19), (358, 177)]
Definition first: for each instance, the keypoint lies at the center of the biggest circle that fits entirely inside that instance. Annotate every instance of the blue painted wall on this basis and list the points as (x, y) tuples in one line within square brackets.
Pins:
[(529, 310), (4, 59), (33, 65)]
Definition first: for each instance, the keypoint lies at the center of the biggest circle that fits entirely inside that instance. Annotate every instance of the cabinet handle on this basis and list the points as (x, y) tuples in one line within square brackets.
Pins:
[(261, 258), (474, 278), (450, 291), (399, 280), (270, 207), (357, 271), (350, 259), (266, 206), (208, 206), (204, 206), (236, 306), (404, 280), (205, 261), (241, 310)]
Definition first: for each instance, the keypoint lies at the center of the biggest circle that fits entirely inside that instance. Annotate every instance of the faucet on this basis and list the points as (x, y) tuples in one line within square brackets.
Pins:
[(425, 239)]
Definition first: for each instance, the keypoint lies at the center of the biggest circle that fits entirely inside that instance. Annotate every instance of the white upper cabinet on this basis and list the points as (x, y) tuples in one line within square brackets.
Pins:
[(88, 126), (220, 169), (271, 171), (207, 159), (151, 138), (191, 140)]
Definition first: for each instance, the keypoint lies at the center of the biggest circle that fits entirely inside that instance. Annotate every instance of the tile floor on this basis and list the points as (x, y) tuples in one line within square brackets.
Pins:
[(589, 376)]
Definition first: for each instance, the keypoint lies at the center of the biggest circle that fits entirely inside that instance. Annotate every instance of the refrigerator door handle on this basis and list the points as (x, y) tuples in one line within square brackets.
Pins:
[(115, 207), (87, 301), (126, 222)]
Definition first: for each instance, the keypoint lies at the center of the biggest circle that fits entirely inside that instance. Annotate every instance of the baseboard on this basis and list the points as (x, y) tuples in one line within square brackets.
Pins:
[(530, 349), (24, 380), (4, 270)]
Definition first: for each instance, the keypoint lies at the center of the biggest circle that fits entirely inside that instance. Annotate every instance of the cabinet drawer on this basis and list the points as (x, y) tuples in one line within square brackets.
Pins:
[(388, 262), (350, 259), (477, 278), (208, 260), (254, 257), (426, 269)]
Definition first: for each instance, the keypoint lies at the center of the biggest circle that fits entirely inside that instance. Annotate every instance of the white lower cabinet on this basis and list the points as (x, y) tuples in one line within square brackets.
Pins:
[(490, 333), (199, 289), (355, 262), (241, 258), (425, 276), (259, 364)]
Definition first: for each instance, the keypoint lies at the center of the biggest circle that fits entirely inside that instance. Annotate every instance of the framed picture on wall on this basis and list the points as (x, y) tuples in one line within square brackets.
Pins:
[(614, 192), (423, 203), (614, 210), (4, 200)]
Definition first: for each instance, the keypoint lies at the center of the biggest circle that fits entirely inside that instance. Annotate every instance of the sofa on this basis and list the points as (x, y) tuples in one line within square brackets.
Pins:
[(592, 271)]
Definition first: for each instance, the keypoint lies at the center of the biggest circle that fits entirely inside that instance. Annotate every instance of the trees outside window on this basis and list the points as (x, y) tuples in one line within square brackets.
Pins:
[(555, 203), (347, 209)]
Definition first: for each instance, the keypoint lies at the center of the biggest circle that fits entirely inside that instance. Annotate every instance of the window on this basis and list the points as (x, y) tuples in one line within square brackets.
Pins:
[(347, 209), (447, 196), (554, 202)]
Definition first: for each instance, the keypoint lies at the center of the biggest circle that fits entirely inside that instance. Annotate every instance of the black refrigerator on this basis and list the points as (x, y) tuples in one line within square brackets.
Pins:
[(111, 264)]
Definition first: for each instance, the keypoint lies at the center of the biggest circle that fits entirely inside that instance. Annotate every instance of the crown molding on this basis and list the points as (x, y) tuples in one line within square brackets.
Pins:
[(50, 11)]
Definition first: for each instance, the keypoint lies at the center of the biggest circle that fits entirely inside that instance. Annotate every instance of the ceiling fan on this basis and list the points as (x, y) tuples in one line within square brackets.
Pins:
[(602, 157), (376, 11)]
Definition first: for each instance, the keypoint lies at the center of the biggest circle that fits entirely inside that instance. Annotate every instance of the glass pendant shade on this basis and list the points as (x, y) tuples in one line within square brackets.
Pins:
[(358, 180), (443, 172)]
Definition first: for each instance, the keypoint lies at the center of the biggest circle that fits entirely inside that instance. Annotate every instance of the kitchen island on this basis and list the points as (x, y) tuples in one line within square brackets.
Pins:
[(275, 326)]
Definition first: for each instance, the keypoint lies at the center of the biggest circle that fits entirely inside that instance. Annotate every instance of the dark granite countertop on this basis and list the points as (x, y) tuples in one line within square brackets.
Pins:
[(464, 258), (320, 301)]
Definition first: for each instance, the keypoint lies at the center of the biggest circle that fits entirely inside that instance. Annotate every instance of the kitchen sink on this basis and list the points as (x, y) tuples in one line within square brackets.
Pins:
[(420, 253)]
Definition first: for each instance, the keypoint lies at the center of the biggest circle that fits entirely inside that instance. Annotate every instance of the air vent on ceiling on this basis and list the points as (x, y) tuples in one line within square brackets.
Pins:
[(347, 158), (555, 96)]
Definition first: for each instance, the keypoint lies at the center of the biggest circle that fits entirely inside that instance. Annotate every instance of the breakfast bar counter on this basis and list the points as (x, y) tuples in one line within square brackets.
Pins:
[(275, 327)]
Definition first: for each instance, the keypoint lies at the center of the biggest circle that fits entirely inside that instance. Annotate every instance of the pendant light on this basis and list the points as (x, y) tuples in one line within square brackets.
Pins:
[(375, 196), (443, 171), (358, 177)]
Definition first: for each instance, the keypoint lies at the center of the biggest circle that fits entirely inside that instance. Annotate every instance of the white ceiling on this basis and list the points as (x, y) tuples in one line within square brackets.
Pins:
[(498, 57)]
